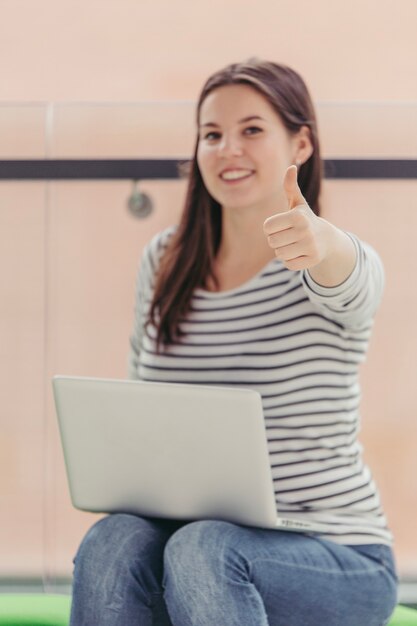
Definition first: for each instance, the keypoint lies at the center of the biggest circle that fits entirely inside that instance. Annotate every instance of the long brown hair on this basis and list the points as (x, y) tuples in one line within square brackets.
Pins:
[(189, 259)]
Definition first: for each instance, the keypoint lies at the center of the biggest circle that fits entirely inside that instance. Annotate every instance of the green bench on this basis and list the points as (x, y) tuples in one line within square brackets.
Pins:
[(403, 616), (53, 610), (34, 609)]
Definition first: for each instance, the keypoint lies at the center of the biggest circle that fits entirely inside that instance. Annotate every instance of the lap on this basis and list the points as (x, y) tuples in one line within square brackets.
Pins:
[(301, 579), (118, 572), (298, 576), (124, 537), (287, 548)]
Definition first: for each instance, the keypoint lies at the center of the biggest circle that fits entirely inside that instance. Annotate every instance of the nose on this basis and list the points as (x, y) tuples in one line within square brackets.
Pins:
[(230, 146)]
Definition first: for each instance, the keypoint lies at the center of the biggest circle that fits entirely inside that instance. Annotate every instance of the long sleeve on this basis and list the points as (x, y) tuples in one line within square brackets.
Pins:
[(138, 321), (354, 302), (143, 295)]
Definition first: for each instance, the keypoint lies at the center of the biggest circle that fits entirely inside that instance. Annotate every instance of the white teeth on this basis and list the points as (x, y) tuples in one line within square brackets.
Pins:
[(235, 174)]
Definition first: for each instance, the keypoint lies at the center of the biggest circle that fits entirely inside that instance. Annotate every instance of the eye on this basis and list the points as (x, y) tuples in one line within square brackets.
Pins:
[(211, 136), (253, 130)]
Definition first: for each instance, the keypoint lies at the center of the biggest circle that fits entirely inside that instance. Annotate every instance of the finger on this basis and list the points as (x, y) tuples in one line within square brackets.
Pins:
[(290, 252), (282, 238), (292, 190), (285, 221), (278, 222)]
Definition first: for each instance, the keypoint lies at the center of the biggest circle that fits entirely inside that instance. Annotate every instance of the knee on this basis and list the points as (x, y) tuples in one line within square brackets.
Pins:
[(197, 545), (116, 537)]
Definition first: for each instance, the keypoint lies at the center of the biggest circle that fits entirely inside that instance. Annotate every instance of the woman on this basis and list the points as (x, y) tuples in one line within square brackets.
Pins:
[(255, 289)]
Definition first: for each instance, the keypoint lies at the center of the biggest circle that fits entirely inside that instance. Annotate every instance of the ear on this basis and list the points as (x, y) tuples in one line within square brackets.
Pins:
[(303, 145)]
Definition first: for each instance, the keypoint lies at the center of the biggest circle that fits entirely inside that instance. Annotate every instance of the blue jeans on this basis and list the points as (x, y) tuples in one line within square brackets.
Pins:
[(131, 571)]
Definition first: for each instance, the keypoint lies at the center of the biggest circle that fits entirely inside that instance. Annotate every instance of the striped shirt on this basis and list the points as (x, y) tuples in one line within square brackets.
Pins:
[(300, 346)]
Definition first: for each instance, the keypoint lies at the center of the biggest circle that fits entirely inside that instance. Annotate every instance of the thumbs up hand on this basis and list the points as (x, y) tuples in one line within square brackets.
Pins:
[(292, 190), (298, 237), (302, 240)]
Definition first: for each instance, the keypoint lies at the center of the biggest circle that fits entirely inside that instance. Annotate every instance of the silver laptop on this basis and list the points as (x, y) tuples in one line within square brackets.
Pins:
[(166, 450)]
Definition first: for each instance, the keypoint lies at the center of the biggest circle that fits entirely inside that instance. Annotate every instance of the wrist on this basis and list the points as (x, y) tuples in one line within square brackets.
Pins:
[(339, 260)]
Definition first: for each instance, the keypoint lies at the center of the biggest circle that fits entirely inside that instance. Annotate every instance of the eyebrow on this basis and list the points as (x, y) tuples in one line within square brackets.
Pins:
[(242, 121)]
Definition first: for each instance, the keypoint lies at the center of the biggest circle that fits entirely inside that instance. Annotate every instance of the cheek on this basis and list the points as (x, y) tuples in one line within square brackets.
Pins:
[(272, 173), (206, 164), (274, 167), (199, 156)]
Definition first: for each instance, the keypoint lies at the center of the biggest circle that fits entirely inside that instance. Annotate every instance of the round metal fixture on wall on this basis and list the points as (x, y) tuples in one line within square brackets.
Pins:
[(139, 204)]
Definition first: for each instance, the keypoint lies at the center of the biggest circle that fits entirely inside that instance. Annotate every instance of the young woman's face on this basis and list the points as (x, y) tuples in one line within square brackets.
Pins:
[(244, 149)]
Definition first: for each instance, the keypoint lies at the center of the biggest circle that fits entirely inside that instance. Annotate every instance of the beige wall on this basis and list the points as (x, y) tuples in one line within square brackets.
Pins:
[(69, 251), (151, 49)]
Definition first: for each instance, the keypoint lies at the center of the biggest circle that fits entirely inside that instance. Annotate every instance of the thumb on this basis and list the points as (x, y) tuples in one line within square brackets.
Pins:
[(292, 190)]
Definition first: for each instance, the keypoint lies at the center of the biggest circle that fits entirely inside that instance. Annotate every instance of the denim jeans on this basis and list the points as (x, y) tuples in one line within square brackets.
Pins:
[(131, 571)]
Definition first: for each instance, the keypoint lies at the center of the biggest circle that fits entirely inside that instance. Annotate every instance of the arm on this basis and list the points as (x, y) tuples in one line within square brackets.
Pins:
[(302, 240), (353, 302), (341, 275), (138, 324), (143, 295), (340, 259)]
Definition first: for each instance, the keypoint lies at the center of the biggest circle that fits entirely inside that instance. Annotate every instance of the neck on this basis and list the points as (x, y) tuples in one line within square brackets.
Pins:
[(243, 239), (243, 251)]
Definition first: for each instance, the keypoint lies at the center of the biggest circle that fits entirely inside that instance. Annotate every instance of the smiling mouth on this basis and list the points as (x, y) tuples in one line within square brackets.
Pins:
[(235, 175)]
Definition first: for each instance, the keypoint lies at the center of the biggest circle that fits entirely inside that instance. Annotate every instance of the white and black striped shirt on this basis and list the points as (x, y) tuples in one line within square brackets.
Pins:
[(300, 346)]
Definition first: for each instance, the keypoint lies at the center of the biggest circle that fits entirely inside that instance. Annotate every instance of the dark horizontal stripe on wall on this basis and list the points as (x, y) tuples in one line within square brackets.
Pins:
[(147, 169), (89, 169), (370, 168)]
